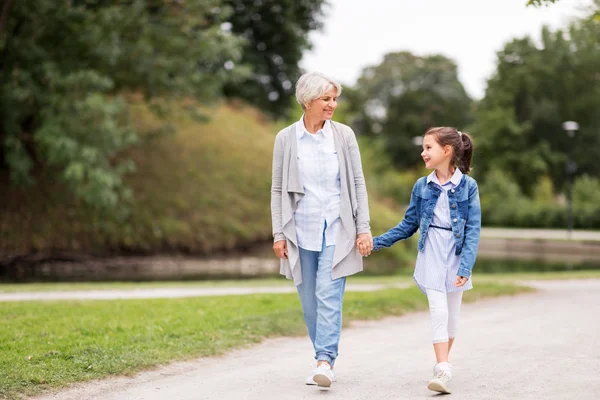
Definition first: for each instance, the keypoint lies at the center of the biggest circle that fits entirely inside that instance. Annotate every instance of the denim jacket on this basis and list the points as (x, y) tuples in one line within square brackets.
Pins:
[(465, 213)]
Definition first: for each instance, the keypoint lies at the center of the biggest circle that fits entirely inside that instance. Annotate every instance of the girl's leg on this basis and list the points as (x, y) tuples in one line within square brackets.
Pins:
[(438, 309), (454, 303)]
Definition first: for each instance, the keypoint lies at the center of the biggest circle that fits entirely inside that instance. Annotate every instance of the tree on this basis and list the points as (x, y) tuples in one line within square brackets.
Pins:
[(539, 3), (276, 34), (534, 90), (64, 67), (404, 96)]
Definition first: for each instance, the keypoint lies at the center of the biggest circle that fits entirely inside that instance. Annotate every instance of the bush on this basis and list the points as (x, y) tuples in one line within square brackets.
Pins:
[(503, 204)]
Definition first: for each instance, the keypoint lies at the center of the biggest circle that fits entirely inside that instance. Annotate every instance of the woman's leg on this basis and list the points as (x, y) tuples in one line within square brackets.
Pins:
[(454, 303), (438, 309), (308, 266), (330, 295)]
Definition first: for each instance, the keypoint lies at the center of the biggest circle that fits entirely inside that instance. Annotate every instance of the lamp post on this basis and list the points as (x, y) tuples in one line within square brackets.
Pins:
[(570, 127)]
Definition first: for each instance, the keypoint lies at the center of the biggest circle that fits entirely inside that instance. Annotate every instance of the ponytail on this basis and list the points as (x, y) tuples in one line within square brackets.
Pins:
[(463, 157)]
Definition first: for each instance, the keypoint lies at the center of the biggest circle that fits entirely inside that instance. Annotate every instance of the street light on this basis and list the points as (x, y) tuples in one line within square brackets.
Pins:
[(570, 127)]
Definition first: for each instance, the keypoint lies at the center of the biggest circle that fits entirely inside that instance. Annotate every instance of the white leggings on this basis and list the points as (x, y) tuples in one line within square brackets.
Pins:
[(445, 310)]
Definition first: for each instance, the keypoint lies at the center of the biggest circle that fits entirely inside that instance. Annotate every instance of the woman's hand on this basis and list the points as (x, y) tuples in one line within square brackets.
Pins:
[(460, 281), (280, 249), (364, 243)]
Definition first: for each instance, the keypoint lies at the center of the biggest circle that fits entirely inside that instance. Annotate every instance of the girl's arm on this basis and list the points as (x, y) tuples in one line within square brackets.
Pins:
[(472, 231), (404, 229)]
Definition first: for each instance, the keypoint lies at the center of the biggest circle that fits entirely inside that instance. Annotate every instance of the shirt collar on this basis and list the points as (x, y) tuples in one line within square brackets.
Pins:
[(456, 177), (301, 129)]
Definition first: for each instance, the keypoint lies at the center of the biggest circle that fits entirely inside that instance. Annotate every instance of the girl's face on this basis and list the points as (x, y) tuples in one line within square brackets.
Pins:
[(324, 106), (434, 155)]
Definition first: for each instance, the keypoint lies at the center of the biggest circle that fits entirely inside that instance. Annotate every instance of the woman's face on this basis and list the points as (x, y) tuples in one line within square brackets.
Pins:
[(324, 106)]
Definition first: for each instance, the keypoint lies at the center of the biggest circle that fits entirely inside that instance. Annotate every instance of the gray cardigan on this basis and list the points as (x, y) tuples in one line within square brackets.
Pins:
[(287, 190)]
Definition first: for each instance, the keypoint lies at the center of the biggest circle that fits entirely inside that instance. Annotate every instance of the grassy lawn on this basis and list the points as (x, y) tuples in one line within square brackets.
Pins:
[(280, 281), (275, 281), (65, 286), (49, 345)]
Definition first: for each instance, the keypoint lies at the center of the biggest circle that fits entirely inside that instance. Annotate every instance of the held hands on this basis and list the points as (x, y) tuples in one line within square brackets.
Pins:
[(280, 249), (364, 244), (460, 281)]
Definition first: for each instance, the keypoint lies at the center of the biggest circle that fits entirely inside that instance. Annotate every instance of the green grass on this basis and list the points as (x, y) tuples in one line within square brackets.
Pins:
[(48, 345), (280, 281), (404, 277), (63, 286)]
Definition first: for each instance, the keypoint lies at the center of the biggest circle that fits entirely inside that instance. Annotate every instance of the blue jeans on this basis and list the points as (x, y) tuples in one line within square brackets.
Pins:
[(321, 299)]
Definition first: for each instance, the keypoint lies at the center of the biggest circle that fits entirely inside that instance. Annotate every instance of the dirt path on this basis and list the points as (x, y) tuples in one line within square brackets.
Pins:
[(534, 346)]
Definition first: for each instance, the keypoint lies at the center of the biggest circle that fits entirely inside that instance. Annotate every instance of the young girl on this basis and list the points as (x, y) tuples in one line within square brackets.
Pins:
[(445, 207)]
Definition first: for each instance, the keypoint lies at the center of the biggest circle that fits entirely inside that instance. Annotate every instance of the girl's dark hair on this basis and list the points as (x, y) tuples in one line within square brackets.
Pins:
[(461, 144)]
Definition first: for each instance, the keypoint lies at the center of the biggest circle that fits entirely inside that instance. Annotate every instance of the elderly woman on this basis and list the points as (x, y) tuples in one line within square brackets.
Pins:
[(319, 209)]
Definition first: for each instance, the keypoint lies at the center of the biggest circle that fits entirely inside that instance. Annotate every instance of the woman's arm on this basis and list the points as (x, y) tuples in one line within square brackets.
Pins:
[(405, 229), (363, 220), (364, 239), (472, 232), (276, 180)]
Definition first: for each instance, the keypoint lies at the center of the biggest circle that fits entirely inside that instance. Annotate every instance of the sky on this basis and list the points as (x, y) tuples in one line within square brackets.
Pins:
[(468, 31)]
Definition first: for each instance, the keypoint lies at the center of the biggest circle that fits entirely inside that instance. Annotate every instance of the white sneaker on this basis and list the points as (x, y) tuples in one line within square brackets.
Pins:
[(310, 379), (323, 375), (440, 381)]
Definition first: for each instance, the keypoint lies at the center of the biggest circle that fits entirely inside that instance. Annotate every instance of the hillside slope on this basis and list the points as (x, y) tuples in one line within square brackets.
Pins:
[(202, 189)]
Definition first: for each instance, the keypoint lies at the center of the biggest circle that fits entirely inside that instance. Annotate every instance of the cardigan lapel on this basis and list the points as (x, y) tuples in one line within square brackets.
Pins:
[(294, 179)]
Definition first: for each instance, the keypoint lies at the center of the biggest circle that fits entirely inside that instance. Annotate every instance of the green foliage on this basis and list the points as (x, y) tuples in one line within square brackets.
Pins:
[(389, 192), (404, 96), (539, 3), (205, 188), (276, 36), (65, 66), (504, 204), (533, 91), (389, 183), (586, 197), (501, 199), (544, 191)]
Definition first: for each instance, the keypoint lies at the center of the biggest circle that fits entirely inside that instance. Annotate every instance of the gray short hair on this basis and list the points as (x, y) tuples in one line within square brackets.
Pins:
[(313, 85)]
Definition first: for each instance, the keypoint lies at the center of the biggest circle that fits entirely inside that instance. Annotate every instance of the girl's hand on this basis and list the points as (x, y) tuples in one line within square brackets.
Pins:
[(460, 281), (364, 243)]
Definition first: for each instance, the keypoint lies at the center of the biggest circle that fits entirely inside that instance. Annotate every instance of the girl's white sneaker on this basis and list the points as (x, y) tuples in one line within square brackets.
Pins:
[(440, 381)]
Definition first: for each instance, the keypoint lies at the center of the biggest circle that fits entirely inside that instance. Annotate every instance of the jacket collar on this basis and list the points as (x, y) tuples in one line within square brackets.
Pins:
[(456, 178)]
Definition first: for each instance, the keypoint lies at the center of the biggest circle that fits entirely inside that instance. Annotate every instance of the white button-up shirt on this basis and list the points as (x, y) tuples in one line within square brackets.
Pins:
[(320, 173)]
